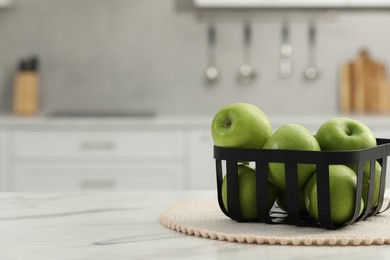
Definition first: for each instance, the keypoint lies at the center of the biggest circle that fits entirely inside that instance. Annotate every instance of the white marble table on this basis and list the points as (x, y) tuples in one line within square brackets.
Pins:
[(126, 226)]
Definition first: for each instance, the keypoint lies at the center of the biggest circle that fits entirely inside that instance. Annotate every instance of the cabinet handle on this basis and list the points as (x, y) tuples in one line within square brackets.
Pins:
[(97, 145), (97, 184)]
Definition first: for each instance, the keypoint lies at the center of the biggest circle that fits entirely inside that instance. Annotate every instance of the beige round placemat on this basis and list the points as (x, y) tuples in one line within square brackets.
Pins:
[(203, 218)]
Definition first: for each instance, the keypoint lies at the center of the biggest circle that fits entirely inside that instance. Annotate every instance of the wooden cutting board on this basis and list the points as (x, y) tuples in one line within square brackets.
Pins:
[(364, 86), (383, 86)]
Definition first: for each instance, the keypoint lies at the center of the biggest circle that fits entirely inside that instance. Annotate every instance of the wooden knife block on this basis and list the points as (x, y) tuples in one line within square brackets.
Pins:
[(364, 86), (26, 93)]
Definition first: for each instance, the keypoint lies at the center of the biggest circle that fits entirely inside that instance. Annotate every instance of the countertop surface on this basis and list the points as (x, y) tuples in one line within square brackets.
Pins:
[(375, 122), (126, 225)]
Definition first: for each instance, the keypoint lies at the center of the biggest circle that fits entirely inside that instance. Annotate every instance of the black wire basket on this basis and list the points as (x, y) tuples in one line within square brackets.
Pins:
[(291, 158)]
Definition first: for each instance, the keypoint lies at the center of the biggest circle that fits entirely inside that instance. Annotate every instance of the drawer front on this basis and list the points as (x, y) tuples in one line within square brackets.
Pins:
[(57, 178), (132, 144)]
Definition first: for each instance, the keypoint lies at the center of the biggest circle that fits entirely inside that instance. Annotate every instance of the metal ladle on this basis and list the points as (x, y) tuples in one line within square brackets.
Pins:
[(246, 73), (211, 73), (311, 72), (285, 63)]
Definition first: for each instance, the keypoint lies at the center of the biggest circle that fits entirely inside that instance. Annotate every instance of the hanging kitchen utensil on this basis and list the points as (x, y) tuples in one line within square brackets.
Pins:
[(211, 73), (311, 72), (285, 64), (246, 73)]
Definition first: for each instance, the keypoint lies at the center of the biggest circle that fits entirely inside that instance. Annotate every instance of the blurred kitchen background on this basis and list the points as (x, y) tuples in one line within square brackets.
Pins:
[(150, 55), (129, 60)]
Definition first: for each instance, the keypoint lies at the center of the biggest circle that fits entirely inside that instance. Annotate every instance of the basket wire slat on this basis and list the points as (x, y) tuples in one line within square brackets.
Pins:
[(218, 166), (371, 185), (291, 171), (323, 195), (382, 187), (358, 194), (233, 203), (262, 198)]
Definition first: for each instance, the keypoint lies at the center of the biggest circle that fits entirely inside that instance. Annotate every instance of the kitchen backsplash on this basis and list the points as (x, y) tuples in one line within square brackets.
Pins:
[(143, 55)]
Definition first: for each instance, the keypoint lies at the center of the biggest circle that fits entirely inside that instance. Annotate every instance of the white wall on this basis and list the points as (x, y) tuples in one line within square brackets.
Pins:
[(150, 54)]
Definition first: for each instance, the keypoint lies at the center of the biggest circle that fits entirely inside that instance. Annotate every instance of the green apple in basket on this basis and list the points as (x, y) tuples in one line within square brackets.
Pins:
[(247, 192), (366, 182), (342, 189), (291, 137), (240, 125), (342, 133)]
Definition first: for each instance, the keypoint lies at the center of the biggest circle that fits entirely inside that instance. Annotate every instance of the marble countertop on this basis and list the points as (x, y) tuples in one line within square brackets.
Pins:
[(126, 226)]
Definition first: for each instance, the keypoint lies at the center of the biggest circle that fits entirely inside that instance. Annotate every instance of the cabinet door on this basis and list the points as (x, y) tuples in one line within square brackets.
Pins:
[(103, 177), (201, 164)]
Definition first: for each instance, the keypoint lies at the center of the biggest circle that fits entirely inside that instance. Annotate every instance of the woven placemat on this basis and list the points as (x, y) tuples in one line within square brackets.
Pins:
[(203, 218)]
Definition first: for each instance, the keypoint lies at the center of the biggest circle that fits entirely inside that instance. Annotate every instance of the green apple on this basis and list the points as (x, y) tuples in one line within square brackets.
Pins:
[(247, 192), (342, 188), (366, 182), (350, 134), (240, 125), (342, 133), (281, 200), (291, 137)]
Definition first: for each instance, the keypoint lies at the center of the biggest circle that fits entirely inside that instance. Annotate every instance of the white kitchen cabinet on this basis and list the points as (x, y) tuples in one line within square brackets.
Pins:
[(201, 164), (75, 160), (82, 155)]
